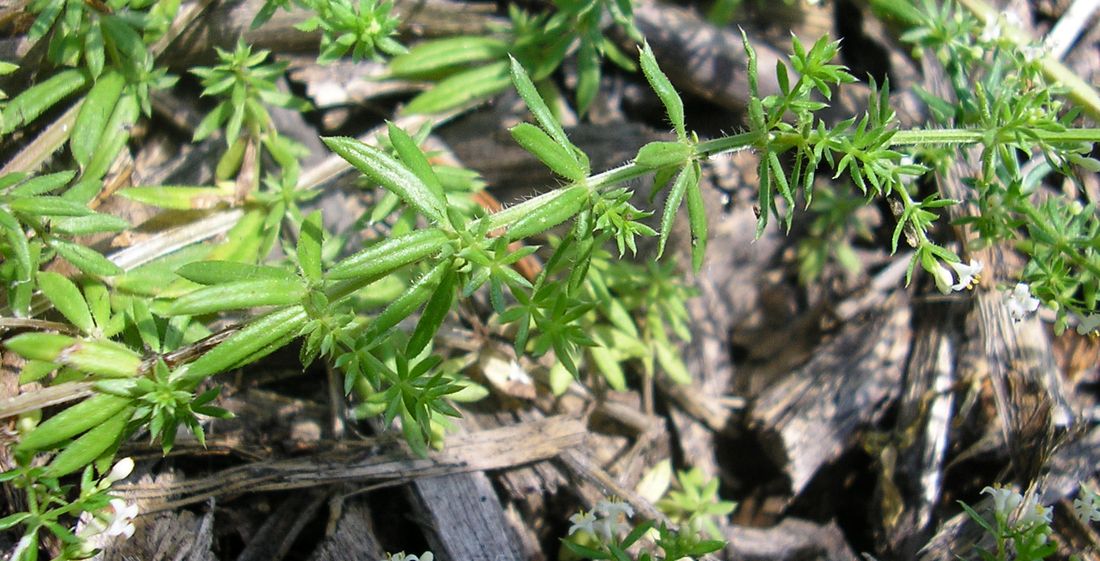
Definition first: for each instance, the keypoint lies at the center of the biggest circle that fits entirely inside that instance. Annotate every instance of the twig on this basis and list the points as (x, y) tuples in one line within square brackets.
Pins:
[(486, 450)]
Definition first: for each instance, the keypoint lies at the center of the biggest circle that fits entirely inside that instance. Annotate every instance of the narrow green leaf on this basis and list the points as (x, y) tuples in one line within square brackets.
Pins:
[(609, 367), (90, 446), (670, 362), (407, 303), (560, 160), (780, 177), (309, 247), (115, 136), (94, 113), (697, 218), (462, 88), (781, 76), (664, 90), (660, 154), (585, 552), (550, 213), (93, 50), (125, 38), (12, 519), (178, 197), (146, 326), (66, 297), (84, 191), (434, 313), (47, 205), (588, 76), (99, 301), (86, 259), (258, 338), (8, 180), (35, 370), (389, 255), (686, 178), (538, 107), (384, 170), (91, 224), (72, 421), (238, 295), (35, 100), (221, 272), (103, 357), (413, 158), (39, 346), (754, 89), (17, 242), (431, 57), (41, 184)]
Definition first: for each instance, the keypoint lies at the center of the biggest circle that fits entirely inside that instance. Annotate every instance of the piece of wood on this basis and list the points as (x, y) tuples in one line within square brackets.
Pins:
[(925, 411), (1027, 385), (353, 538), (169, 536), (278, 532), (790, 540), (491, 449), (464, 519), (958, 537), (811, 417)]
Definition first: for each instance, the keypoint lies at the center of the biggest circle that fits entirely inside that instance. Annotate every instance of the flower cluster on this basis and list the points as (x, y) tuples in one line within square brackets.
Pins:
[(1087, 505), (1021, 304), (97, 529), (604, 522), (1007, 502), (400, 556), (1001, 27), (969, 275)]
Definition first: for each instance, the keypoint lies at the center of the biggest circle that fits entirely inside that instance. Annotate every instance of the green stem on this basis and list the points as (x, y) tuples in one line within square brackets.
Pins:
[(976, 136), (623, 173)]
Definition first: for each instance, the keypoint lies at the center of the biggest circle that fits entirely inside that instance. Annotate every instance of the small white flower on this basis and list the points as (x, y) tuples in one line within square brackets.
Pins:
[(1034, 514), (120, 471), (1005, 501), (606, 528), (1033, 53), (582, 521), (969, 275), (121, 522), (400, 556), (1089, 324), (1087, 505), (1020, 302), (991, 31), (943, 277), (612, 509)]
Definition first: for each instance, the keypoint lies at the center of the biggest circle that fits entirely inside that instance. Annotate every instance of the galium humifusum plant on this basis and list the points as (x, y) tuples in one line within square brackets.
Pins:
[(445, 251)]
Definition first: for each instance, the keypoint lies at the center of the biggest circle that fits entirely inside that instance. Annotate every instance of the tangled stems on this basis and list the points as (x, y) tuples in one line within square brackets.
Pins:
[(756, 139)]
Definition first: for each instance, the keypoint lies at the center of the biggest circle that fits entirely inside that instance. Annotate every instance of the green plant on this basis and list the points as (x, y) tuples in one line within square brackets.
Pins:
[(474, 67), (696, 504), (1020, 526), (583, 305), (249, 85), (599, 535), (49, 503)]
